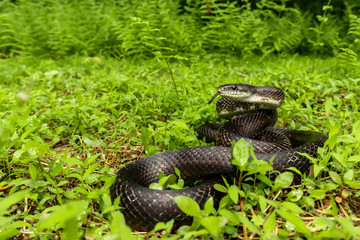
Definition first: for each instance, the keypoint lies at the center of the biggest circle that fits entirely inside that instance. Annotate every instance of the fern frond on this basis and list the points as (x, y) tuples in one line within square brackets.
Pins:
[(178, 57), (8, 41), (354, 25), (347, 60)]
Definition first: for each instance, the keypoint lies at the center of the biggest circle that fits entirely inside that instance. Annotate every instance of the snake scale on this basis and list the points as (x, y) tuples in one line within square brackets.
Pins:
[(251, 114)]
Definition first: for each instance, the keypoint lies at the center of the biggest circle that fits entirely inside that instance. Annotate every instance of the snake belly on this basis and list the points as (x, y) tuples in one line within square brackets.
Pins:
[(251, 114)]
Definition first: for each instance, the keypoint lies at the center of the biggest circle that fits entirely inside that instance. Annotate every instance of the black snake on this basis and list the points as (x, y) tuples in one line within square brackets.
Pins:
[(252, 114)]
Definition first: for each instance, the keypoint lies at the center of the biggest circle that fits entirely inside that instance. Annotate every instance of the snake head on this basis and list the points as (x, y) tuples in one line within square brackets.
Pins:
[(268, 97), (240, 92)]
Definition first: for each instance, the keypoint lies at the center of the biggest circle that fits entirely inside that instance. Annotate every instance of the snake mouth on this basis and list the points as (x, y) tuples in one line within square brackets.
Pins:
[(212, 99)]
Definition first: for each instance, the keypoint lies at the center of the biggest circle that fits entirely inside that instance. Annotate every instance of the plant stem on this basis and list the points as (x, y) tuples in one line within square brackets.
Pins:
[(172, 77), (318, 33)]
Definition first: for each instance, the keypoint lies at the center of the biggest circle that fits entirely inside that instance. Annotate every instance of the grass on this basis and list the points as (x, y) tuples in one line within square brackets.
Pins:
[(67, 125)]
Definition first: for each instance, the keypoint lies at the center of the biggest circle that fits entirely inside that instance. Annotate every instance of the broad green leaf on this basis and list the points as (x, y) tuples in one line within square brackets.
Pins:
[(270, 223), (328, 106), (61, 214), (355, 158), (180, 124), (209, 205), (220, 188), (295, 195), (49, 179), (177, 171), (295, 170), (312, 159), (283, 233), (332, 233), (262, 202), (18, 224), (346, 139), (356, 130), (298, 223), (331, 141), (174, 186), (290, 226), (357, 231), (118, 227), (353, 183), (109, 181), (162, 226), (167, 182), (57, 169), (106, 199), (91, 141), (90, 159), (33, 172), (317, 168), (349, 175), (94, 194), (334, 209), (71, 229), (27, 132), (211, 223), (258, 220), (91, 169), (81, 190), (61, 183), (145, 135), (170, 179), (252, 227), (309, 201), (9, 233), (258, 166), (347, 225), (12, 199), (229, 215), (335, 177), (224, 201), (233, 194), (181, 183), (265, 180), (318, 194), (156, 186), (283, 180), (321, 223), (240, 153), (193, 234), (334, 127), (74, 161), (292, 207), (188, 206)]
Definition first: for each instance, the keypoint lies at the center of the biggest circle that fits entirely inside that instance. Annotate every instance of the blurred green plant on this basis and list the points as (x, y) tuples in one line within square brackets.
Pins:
[(195, 27)]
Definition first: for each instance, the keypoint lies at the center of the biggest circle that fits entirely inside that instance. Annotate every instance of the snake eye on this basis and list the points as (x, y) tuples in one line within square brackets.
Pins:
[(233, 87)]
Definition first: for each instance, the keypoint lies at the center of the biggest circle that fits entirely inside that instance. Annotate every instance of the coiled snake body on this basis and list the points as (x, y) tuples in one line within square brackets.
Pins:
[(252, 114)]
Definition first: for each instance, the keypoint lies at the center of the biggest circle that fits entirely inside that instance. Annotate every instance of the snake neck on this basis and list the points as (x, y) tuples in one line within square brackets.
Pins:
[(228, 108)]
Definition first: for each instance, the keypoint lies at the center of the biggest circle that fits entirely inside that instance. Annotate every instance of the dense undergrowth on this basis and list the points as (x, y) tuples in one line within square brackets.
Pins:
[(67, 125), (89, 86)]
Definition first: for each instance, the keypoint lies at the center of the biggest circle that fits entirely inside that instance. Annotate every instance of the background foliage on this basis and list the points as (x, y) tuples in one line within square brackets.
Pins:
[(59, 28), (89, 86)]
